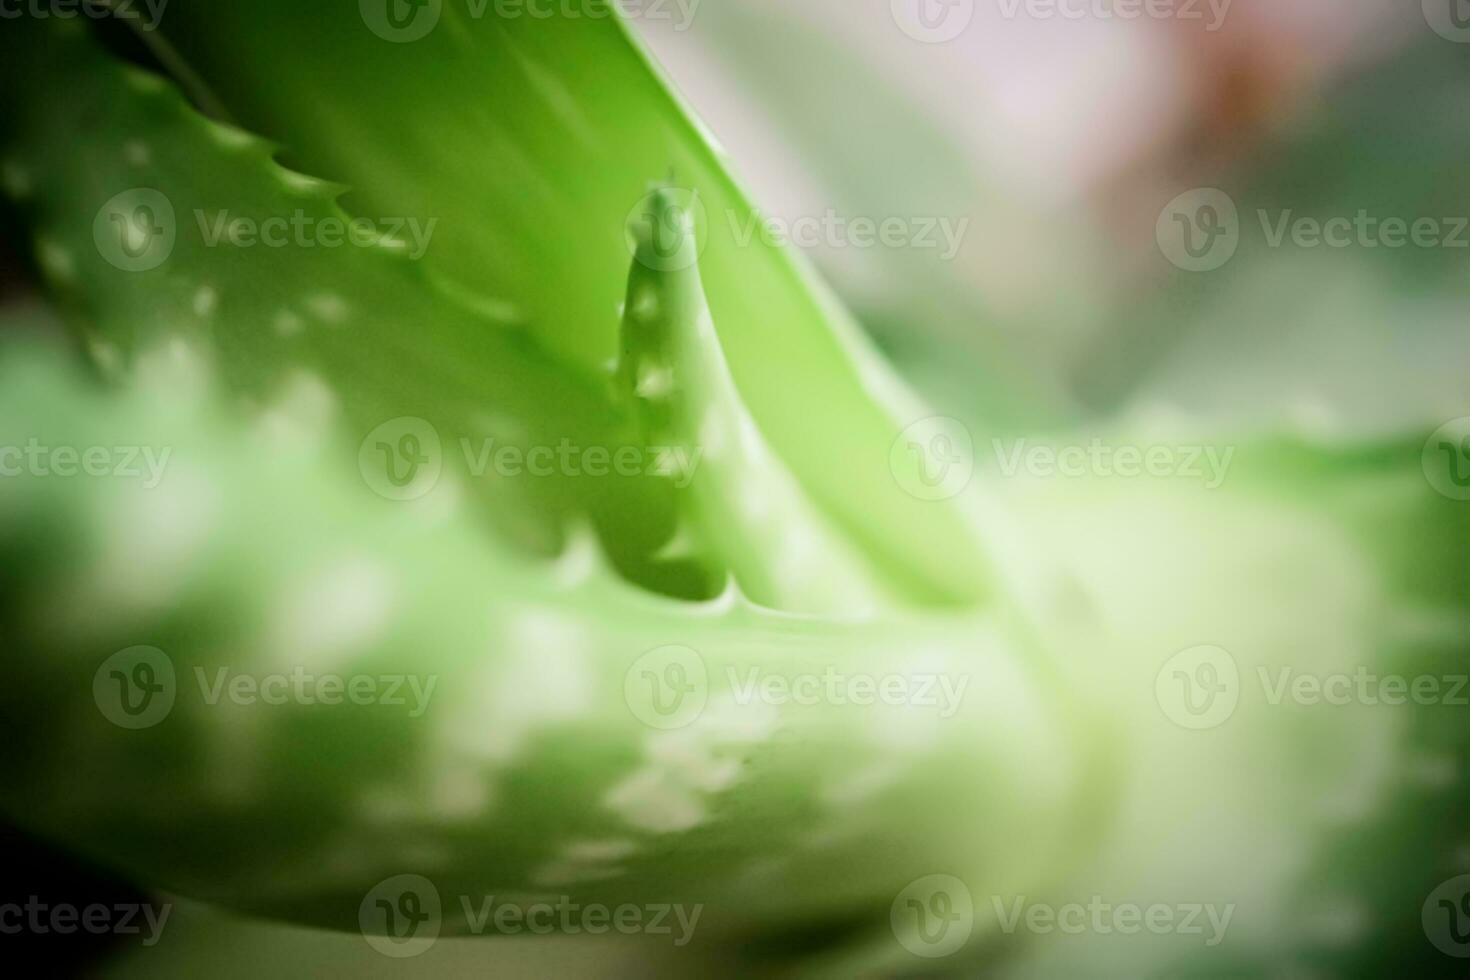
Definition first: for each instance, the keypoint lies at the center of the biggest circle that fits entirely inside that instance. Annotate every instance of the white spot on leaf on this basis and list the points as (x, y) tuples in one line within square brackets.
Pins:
[(535, 676), (56, 261), (205, 300), (16, 179), (287, 324), (333, 614), (645, 304), (655, 380), (328, 307), (136, 152), (684, 766)]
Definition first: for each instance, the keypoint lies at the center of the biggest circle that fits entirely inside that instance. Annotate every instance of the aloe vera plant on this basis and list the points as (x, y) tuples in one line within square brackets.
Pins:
[(578, 651)]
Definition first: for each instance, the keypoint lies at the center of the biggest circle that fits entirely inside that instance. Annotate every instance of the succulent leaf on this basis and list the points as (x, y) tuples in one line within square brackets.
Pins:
[(740, 509), (533, 140)]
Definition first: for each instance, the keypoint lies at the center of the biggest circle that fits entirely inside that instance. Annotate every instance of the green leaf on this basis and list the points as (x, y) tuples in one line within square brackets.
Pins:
[(525, 754), (169, 237), (738, 505), (533, 140)]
